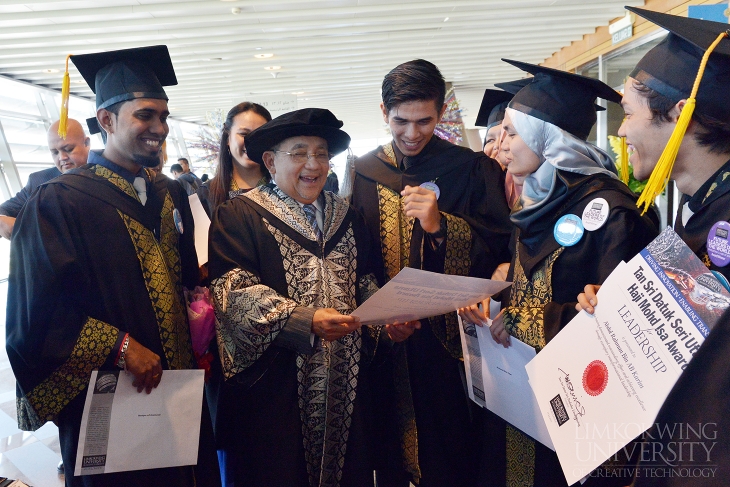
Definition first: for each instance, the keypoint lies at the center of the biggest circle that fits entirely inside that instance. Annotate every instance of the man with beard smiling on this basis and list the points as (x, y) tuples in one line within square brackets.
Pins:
[(436, 206), (99, 258)]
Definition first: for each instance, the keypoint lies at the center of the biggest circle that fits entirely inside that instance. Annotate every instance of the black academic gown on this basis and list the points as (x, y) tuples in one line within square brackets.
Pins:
[(442, 447), (269, 275), (710, 204), (689, 445), (76, 287), (589, 261)]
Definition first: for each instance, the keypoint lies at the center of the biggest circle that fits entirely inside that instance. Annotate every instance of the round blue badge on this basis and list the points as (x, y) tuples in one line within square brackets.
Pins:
[(568, 230), (431, 186), (178, 220)]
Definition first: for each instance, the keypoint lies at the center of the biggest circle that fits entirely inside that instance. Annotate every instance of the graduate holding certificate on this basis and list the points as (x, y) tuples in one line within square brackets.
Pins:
[(575, 221)]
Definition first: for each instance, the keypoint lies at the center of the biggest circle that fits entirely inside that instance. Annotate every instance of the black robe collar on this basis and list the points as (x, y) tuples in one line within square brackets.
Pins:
[(437, 158), (537, 241)]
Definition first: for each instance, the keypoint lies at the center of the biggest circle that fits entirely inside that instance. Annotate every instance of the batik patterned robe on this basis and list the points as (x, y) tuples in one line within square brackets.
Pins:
[(269, 274)]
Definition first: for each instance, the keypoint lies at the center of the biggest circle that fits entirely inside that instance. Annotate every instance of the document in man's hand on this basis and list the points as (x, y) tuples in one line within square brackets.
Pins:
[(414, 294), (123, 430), (602, 380)]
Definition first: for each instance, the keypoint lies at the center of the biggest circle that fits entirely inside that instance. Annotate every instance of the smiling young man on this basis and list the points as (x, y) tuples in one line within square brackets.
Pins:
[(436, 206), (98, 261), (288, 263), (67, 153)]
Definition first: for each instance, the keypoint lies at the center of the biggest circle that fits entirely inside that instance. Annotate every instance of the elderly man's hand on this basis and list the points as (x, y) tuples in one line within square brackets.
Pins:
[(421, 203), (400, 331), (144, 364), (330, 325)]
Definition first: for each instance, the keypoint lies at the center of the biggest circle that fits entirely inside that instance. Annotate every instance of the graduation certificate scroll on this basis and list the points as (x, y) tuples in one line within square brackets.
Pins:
[(602, 380)]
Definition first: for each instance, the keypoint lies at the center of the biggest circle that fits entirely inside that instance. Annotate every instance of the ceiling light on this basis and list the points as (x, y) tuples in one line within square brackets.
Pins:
[(446, 19), (79, 81), (259, 48), (215, 59), (263, 56), (49, 71), (235, 10), (297, 93), (272, 68)]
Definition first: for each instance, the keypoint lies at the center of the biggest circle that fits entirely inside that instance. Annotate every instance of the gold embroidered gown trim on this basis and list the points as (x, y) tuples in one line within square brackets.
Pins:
[(48, 398), (160, 264), (524, 319)]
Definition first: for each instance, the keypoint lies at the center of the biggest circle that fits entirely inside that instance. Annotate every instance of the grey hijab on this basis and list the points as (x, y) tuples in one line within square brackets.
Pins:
[(543, 191)]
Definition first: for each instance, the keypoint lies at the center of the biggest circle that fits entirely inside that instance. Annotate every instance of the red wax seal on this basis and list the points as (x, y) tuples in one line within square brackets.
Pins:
[(595, 378)]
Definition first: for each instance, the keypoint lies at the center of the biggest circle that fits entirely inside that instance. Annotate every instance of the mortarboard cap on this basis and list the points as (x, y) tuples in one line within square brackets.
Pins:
[(127, 74), (670, 67), (692, 63), (491, 111), (563, 99)]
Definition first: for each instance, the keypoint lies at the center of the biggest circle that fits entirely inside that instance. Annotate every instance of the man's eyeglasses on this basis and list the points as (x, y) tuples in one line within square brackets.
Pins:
[(302, 157)]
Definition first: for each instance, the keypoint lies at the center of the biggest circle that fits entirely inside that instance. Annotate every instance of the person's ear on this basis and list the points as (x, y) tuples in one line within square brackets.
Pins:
[(441, 112), (268, 158), (676, 110), (385, 112), (106, 120), (87, 141)]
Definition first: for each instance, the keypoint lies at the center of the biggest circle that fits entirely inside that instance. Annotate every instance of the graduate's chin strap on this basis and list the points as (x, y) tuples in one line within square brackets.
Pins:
[(65, 94), (663, 170)]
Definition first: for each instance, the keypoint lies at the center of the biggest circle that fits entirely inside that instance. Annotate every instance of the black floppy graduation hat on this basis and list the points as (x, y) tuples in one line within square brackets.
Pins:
[(491, 111), (563, 99), (318, 122), (670, 67), (127, 74)]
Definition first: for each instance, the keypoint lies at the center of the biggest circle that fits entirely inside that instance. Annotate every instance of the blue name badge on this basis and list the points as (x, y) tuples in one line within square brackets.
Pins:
[(568, 230)]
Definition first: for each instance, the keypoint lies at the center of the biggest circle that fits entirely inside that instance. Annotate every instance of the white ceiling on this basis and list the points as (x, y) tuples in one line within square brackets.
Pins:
[(336, 52)]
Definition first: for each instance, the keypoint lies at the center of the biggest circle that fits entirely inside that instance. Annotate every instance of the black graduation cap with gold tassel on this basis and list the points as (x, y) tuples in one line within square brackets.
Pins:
[(694, 51), (117, 76)]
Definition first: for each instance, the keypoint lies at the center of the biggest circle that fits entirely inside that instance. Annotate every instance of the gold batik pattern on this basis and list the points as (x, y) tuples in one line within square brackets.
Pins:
[(456, 262), (48, 398), (163, 291), (718, 181), (395, 231), (160, 264), (116, 180), (395, 237), (524, 319)]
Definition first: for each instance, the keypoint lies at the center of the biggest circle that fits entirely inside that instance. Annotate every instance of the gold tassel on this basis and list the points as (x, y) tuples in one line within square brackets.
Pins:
[(663, 170), (624, 155), (65, 93)]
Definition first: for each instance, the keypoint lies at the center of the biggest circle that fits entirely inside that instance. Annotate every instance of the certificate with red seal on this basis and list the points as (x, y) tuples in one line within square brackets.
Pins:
[(602, 380)]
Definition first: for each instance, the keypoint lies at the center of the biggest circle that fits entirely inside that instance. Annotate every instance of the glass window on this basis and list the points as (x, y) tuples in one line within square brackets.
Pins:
[(18, 97)]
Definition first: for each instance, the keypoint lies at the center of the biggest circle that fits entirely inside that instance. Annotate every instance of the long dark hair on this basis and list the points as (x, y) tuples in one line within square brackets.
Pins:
[(221, 183)]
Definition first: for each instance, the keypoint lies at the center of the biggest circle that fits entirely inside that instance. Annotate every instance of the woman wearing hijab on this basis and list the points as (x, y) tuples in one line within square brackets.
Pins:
[(574, 222)]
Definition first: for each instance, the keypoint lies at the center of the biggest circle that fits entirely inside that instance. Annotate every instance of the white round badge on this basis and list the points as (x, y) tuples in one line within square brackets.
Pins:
[(431, 186), (595, 214)]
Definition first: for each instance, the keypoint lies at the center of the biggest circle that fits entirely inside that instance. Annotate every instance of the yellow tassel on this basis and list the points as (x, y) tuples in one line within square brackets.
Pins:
[(65, 94), (624, 156), (663, 170)]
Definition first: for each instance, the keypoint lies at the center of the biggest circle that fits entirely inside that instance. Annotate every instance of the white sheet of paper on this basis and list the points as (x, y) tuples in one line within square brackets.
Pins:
[(507, 388), (472, 361), (202, 225), (124, 430), (602, 380), (415, 294)]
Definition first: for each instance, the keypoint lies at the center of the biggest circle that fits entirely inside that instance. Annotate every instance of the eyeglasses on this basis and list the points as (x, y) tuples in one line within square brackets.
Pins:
[(302, 157)]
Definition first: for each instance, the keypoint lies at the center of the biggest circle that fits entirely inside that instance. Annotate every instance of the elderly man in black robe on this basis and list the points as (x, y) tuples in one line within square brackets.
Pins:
[(288, 263)]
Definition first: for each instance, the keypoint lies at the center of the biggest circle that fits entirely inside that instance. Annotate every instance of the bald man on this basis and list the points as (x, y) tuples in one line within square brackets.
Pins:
[(67, 154)]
